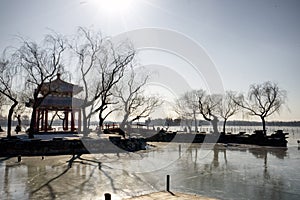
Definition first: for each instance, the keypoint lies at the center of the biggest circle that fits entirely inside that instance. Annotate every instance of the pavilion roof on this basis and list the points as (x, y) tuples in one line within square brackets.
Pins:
[(59, 86)]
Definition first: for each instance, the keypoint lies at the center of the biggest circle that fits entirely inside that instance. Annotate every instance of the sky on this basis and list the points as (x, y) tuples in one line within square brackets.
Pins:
[(246, 41)]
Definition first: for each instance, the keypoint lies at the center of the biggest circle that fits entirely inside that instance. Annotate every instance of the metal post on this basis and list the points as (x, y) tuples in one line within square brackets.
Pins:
[(107, 196), (168, 183)]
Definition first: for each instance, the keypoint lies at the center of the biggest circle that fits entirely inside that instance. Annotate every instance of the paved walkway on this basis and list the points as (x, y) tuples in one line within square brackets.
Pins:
[(170, 196)]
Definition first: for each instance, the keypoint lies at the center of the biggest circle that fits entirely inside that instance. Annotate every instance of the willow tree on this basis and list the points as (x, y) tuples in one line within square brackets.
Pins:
[(2, 103), (134, 104), (112, 71), (86, 48), (40, 64), (187, 107), (8, 90), (198, 102), (101, 66), (263, 100), (208, 107), (228, 107)]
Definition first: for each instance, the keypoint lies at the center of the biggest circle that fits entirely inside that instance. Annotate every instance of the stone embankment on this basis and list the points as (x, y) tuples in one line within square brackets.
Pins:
[(277, 139), (61, 146)]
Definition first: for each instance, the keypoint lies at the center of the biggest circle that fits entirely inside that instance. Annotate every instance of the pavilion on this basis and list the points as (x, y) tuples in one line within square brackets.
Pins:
[(58, 95)]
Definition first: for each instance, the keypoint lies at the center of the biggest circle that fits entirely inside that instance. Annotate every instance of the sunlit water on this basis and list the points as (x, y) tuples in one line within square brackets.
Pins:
[(224, 172)]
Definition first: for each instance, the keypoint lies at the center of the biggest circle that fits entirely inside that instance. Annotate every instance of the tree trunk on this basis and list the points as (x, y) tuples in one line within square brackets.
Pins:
[(122, 125), (101, 121), (32, 127), (214, 123), (52, 119), (188, 125), (189, 128), (84, 123), (224, 125), (9, 118), (124, 121), (195, 120), (128, 125), (264, 125)]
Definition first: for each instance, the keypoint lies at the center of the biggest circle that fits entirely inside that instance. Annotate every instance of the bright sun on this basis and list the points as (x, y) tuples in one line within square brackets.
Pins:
[(115, 6)]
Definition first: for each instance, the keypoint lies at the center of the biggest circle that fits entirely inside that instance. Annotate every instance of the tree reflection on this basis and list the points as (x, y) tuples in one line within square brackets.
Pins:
[(225, 171), (262, 153), (216, 150), (7, 183)]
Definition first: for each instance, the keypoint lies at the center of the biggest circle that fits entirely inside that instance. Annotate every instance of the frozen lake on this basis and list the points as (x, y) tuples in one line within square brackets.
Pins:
[(232, 172), (224, 172)]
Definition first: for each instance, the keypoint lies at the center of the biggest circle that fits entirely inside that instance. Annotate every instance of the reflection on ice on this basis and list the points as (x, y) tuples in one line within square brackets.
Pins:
[(225, 172)]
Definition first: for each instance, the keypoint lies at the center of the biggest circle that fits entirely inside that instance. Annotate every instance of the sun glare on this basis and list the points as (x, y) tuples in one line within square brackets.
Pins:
[(115, 6)]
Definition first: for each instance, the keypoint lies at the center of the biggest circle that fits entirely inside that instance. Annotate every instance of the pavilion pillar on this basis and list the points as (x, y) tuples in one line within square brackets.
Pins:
[(66, 120), (72, 121), (46, 120), (79, 120), (37, 120), (42, 120)]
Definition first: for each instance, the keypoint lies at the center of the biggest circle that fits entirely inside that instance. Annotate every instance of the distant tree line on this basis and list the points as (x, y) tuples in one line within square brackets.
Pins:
[(181, 122), (177, 122)]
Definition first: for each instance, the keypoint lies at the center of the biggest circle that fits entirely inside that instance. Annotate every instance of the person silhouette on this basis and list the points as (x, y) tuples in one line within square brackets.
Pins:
[(18, 127), (19, 120)]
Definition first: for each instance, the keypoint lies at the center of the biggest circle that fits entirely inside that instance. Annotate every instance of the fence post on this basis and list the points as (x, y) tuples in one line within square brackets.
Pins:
[(107, 196), (168, 183)]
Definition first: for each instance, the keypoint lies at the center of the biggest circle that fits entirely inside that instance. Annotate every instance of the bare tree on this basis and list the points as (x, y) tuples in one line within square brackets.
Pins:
[(187, 107), (86, 48), (208, 105), (7, 74), (128, 91), (2, 103), (145, 105), (101, 66), (111, 73), (263, 100), (40, 64), (134, 103), (196, 102), (227, 107)]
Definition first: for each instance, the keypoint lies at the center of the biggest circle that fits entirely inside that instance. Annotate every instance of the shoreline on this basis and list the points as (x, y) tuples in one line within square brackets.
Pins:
[(72, 144)]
